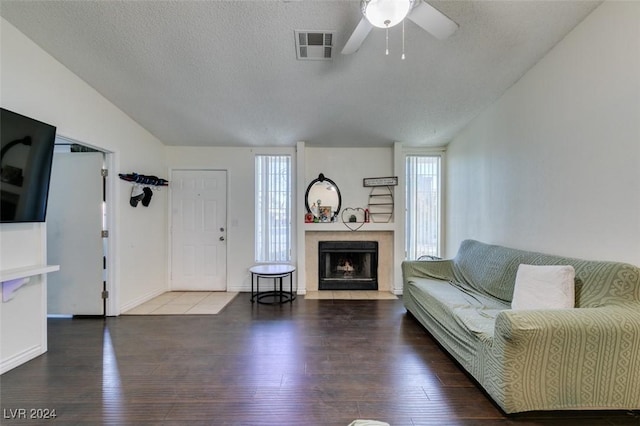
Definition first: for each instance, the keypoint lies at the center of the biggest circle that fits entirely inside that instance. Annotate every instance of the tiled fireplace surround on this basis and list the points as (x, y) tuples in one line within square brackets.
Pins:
[(385, 253)]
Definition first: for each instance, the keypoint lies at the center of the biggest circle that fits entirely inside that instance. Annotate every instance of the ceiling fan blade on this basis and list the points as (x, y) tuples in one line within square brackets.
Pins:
[(432, 20), (357, 37)]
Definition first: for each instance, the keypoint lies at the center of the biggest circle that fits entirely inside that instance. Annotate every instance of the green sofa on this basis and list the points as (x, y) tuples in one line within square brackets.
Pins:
[(587, 357)]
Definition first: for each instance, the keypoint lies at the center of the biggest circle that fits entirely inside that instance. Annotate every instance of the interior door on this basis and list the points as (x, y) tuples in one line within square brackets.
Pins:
[(199, 230), (74, 241)]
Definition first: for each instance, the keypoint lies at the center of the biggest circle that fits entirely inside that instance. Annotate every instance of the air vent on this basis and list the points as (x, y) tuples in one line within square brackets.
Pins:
[(314, 45)]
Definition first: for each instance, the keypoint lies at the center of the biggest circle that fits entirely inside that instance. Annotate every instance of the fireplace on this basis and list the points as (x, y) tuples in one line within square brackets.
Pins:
[(347, 265)]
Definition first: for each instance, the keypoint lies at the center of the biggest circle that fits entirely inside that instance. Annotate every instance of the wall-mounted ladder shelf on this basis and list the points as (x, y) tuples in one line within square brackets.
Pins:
[(381, 204)]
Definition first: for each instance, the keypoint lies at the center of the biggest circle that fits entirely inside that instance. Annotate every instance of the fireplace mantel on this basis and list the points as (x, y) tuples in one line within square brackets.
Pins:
[(339, 226)]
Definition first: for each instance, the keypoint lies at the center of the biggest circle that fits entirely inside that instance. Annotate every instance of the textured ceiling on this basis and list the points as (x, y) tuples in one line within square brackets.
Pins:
[(225, 73)]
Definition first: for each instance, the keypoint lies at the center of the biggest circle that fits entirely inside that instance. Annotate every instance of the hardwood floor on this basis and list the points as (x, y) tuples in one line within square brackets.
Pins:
[(313, 362)]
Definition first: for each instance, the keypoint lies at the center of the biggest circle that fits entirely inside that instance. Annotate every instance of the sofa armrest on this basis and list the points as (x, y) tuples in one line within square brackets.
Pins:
[(524, 325), (585, 357), (436, 269)]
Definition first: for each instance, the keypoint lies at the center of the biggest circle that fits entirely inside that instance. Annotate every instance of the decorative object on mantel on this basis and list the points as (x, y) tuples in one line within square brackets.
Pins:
[(380, 181), (325, 214), (138, 193), (323, 199), (351, 215), (380, 204)]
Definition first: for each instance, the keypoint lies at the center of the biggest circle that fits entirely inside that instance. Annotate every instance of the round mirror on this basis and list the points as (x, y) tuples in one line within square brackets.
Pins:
[(323, 199)]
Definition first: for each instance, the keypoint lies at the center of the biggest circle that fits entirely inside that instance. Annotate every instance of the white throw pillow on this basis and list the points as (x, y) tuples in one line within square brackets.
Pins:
[(544, 287)]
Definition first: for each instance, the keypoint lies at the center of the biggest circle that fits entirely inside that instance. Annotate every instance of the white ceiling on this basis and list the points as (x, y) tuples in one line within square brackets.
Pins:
[(225, 73)]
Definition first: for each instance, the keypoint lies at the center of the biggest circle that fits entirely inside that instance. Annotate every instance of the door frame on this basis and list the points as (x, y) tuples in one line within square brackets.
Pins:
[(170, 220), (112, 306)]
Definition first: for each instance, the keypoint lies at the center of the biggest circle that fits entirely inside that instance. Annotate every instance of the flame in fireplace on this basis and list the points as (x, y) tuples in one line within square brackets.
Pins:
[(345, 265)]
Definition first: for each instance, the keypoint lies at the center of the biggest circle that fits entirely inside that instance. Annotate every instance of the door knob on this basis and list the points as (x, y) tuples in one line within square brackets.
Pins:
[(221, 238)]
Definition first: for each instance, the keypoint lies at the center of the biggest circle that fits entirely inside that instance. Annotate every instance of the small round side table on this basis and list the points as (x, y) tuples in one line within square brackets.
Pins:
[(276, 272)]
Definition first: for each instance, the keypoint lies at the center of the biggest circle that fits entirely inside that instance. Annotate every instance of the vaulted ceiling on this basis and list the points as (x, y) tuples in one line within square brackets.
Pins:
[(225, 73)]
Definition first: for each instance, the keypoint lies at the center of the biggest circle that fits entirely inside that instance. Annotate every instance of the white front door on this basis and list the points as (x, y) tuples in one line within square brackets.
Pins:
[(199, 230), (74, 240)]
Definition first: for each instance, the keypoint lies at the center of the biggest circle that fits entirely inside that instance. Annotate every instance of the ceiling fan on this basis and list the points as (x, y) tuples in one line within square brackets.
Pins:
[(387, 13)]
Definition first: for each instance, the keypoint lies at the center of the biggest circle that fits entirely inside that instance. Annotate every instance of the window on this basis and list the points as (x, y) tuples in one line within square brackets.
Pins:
[(273, 208), (423, 200)]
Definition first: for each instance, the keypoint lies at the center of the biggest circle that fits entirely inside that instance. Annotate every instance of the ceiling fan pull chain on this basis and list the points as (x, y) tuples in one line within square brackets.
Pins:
[(403, 39), (387, 51)]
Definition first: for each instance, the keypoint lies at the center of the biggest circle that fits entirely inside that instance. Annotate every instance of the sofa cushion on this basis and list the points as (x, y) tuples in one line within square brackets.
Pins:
[(544, 287), (462, 310)]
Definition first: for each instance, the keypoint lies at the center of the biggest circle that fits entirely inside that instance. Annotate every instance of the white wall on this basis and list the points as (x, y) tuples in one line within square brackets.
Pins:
[(554, 165), (347, 167), (35, 84), (240, 165)]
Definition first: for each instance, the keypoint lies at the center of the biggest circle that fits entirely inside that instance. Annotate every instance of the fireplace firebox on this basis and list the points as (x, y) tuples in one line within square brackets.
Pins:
[(348, 265)]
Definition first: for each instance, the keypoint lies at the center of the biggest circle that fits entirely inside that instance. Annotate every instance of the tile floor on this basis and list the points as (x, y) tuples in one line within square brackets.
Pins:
[(185, 303), (350, 295)]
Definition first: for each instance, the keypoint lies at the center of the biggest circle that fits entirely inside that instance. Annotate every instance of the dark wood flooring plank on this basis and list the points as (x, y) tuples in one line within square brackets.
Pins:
[(312, 362)]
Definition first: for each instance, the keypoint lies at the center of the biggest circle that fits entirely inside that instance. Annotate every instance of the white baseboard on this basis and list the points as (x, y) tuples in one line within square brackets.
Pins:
[(20, 358)]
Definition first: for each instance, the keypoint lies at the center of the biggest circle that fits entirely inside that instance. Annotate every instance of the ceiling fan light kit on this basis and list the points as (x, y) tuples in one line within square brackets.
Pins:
[(386, 13)]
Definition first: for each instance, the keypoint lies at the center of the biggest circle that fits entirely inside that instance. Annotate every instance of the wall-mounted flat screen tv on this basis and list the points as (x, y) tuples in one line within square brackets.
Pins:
[(26, 154)]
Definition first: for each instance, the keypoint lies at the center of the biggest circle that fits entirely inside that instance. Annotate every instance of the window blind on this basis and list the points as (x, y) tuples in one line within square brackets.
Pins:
[(273, 208), (423, 206)]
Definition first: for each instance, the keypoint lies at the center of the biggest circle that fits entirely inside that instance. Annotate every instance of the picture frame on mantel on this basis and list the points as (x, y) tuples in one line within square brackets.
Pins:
[(326, 214), (380, 181)]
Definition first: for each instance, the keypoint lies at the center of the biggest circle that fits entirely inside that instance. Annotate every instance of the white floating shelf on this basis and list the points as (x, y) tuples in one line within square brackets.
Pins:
[(27, 271), (9, 277)]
